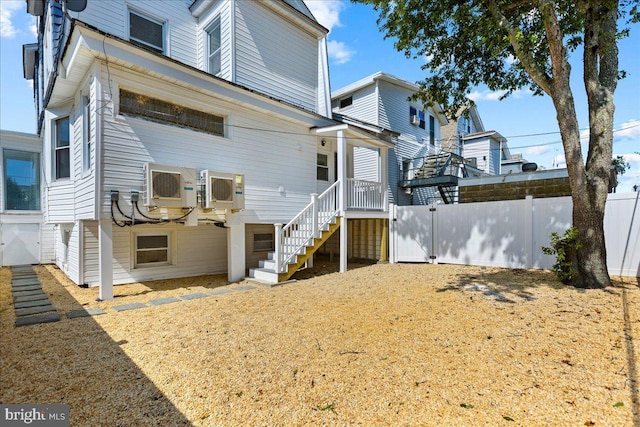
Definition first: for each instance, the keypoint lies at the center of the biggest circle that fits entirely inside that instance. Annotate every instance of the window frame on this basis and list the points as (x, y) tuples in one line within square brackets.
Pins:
[(143, 43), (324, 167), (87, 144), (57, 176), (216, 23), (345, 102), (38, 199), (271, 240), (168, 248), (432, 130)]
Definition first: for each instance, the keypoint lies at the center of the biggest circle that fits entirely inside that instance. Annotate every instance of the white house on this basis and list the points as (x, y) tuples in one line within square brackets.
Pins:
[(179, 135), (24, 239), (384, 100)]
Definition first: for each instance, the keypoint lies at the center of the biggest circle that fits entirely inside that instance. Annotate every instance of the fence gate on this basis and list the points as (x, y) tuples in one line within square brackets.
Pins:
[(413, 237)]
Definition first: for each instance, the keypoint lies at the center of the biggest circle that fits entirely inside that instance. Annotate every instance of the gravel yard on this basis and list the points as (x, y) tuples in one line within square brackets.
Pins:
[(384, 344)]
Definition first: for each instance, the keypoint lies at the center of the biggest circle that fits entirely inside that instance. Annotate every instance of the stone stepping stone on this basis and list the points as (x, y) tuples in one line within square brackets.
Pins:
[(195, 295), (20, 293), (220, 291), (162, 301), (34, 320), (24, 275), (26, 288), (244, 288), (22, 269), (85, 313), (28, 304), (125, 307), (25, 282), (27, 298), (34, 310)]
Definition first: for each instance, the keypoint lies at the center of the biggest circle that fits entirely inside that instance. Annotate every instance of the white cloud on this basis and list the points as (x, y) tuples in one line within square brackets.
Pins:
[(537, 150), (33, 26), (628, 130), (631, 177), (327, 12), (339, 52), (490, 95), (7, 9)]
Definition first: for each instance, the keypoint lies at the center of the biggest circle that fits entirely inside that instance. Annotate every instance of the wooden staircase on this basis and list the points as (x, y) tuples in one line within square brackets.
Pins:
[(298, 240), (267, 270)]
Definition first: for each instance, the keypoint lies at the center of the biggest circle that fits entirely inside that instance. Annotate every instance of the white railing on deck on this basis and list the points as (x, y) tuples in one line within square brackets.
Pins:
[(299, 233), (365, 195)]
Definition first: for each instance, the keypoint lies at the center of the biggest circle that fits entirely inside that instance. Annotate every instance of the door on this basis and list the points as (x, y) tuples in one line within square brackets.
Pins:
[(414, 233), (20, 244)]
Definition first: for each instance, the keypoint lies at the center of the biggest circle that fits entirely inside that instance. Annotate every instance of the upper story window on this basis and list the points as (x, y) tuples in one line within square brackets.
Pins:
[(62, 149), (214, 60), (146, 32), (21, 180), (345, 102), (159, 111), (86, 134), (417, 117), (432, 130)]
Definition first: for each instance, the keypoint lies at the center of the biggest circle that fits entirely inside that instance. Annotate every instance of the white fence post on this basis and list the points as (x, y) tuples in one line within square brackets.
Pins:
[(278, 245), (393, 258)]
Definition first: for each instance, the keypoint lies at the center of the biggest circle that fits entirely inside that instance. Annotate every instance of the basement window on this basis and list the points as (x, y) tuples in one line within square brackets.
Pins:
[(263, 242), (159, 111), (152, 250)]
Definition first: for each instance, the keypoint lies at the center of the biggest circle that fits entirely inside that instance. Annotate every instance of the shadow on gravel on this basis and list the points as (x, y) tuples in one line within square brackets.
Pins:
[(74, 361)]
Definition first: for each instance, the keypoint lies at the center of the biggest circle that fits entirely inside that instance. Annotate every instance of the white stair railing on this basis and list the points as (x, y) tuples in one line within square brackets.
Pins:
[(365, 195), (293, 238)]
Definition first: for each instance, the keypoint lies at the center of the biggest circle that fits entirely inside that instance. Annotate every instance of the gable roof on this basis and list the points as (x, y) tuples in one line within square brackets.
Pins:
[(301, 7)]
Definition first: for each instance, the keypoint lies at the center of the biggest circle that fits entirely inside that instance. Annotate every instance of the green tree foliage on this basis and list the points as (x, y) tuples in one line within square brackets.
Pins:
[(510, 45)]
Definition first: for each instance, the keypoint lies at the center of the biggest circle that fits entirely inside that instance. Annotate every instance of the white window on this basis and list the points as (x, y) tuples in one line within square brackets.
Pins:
[(214, 47), (86, 134), (323, 167), (146, 32), (21, 180), (152, 250), (62, 151), (263, 242)]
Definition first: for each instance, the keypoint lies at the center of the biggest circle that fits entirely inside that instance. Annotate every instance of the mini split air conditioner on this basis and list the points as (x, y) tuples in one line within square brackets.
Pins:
[(222, 190), (170, 186), (415, 120)]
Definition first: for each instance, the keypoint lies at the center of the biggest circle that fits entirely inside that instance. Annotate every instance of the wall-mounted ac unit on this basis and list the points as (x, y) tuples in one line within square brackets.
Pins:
[(415, 120), (222, 190), (170, 186)]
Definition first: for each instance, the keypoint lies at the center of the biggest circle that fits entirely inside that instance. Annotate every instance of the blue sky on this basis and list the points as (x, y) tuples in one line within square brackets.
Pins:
[(358, 49)]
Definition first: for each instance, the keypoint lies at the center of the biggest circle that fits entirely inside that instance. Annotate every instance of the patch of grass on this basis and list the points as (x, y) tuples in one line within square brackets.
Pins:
[(466, 405), (330, 407)]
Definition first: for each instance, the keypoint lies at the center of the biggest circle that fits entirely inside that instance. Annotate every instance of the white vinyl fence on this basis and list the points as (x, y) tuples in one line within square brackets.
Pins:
[(509, 233)]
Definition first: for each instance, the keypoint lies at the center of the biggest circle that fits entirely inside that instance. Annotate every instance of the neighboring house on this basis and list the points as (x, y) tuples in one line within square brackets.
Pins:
[(485, 151), (23, 237), (467, 121), (383, 99), (179, 135)]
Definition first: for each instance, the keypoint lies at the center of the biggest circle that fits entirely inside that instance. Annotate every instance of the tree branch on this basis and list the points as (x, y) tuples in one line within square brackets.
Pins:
[(526, 59)]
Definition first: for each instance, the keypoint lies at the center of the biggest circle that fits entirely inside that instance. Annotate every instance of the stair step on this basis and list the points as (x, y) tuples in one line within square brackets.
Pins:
[(263, 274)]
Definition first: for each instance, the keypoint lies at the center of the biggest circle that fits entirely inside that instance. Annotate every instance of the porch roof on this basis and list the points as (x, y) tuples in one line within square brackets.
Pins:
[(360, 133)]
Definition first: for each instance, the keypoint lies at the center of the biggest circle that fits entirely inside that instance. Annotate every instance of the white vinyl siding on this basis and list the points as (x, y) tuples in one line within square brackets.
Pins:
[(274, 56), (180, 26), (198, 250), (279, 161), (364, 105)]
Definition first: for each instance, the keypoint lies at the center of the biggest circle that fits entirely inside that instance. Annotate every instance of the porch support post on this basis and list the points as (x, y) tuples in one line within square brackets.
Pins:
[(105, 259), (342, 171), (342, 197), (384, 241), (384, 176), (235, 249), (344, 233)]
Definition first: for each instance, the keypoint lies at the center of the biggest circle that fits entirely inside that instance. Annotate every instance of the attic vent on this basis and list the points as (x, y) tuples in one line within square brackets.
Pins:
[(166, 185), (222, 189)]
